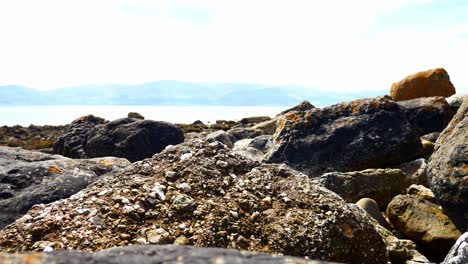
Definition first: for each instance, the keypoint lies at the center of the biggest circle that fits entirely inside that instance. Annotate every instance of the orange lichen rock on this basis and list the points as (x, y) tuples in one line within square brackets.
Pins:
[(105, 163), (435, 82), (55, 169)]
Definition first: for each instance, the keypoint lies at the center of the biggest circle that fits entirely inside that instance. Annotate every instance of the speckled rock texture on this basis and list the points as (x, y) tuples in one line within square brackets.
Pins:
[(425, 223), (153, 254), (362, 134), (428, 114), (448, 169), (28, 178), (435, 82), (71, 143), (380, 185), (459, 252), (200, 193)]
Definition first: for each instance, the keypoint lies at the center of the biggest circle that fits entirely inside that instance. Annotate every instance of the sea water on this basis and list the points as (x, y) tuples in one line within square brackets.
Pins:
[(61, 115)]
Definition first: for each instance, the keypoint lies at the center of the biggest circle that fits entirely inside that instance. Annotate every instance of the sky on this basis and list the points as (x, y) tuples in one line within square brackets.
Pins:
[(336, 45)]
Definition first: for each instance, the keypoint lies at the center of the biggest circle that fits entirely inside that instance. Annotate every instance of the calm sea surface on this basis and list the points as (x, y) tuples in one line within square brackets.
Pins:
[(60, 115)]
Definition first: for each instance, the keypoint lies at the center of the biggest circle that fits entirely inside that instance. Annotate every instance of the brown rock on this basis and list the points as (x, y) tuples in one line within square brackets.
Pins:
[(435, 82), (425, 223)]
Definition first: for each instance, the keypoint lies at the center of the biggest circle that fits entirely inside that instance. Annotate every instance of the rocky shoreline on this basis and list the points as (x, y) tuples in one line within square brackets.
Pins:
[(376, 180)]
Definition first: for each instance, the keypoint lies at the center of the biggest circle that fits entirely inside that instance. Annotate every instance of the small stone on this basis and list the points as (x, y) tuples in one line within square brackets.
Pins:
[(141, 241), (158, 236), (184, 187), (182, 203), (124, 236), (186, 156), (267, 200), (222, 164), (234, 214), (182, 240)]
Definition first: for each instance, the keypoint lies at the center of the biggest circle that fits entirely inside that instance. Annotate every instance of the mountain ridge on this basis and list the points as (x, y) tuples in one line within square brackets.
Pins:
[(176, 93)]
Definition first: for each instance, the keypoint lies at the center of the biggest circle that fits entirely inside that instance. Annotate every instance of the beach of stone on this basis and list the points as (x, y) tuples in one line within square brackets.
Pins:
[(375, 180)]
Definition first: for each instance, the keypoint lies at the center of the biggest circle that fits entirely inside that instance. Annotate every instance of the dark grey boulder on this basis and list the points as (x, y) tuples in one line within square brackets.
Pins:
[(448, 169), (132, 139), (367, 133), (71, 143), (28, 178), (428, 114), (153, 254)]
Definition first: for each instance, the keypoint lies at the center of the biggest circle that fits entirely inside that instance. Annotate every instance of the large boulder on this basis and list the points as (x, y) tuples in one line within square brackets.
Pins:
[(153, 254), (28, 178), (425, 223), (428, 114), (435, 82), (131, 138), (202, 194), (459, 252), (71, 143), (448, 169), (367, 133), (380, 185)]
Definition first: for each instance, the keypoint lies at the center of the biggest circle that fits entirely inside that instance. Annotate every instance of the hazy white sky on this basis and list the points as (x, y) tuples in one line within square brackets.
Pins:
[(335, 44)]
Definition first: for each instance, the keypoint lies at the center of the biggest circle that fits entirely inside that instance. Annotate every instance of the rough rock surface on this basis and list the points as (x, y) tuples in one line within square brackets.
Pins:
[(362, 134), (428, 114), (71, 143), (131, 139), (459, 252), (135, 115), (425, 223), (254, 148), (28, 178), (422, 192), (435, 82), (152, 254), (431, 137), (301, 107), (448, 169), (415, 171), (380, 185), (232, 202), (399, 250)]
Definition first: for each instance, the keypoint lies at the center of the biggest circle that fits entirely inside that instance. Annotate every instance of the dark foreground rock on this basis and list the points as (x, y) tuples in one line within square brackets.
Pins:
[(153, 254), (201, 193), (133, 139), (428, 114), (459, 252), (367, 133), (28, 178), (380, 185), (425, 223), (448, 169)]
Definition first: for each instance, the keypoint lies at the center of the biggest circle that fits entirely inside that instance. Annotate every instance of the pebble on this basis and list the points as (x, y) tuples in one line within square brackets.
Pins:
[(182, 203), (184, 187)]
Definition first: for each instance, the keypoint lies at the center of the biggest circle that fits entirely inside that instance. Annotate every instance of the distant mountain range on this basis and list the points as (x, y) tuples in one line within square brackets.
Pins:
[(177, 93)]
